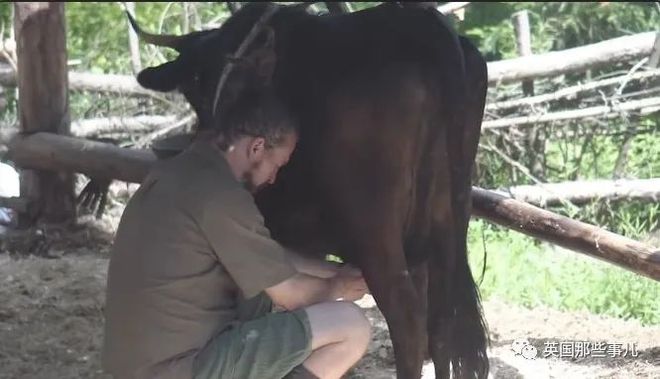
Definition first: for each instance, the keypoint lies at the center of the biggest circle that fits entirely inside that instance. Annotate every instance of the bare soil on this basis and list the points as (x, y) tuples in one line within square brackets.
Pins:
[(52, 290)]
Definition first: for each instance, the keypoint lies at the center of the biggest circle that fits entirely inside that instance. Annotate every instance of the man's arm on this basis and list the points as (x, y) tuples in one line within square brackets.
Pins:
[(311, 266), (302, 290)]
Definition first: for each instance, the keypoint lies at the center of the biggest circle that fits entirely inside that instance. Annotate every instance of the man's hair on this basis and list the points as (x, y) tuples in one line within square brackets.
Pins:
[(256, 114)]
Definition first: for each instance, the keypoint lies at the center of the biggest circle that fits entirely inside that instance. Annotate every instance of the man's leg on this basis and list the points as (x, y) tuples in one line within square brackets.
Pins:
[(324, 340), (340, 336)]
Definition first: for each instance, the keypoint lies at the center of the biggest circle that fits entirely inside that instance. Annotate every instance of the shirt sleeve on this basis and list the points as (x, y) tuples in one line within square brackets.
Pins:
[(236, 232)]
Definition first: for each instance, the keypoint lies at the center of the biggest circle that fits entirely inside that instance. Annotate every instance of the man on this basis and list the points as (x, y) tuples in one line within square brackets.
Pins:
[(194, 273)]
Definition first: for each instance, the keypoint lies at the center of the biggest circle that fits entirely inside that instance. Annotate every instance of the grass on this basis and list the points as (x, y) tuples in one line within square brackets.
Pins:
[(526, 272)]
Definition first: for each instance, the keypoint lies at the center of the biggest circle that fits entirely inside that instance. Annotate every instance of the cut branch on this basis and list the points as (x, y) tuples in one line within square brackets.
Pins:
[(582, 192), (571, 60), (570, 92), (571, 234), (94, 126), (125, 84), (606, 111)]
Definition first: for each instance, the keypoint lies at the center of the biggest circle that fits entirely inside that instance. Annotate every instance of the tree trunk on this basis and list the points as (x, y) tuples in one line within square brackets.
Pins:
[(44, 104)]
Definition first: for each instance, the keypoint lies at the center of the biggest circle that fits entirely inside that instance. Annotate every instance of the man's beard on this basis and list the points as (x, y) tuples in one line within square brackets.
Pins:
[(248, 180), (248, 183)]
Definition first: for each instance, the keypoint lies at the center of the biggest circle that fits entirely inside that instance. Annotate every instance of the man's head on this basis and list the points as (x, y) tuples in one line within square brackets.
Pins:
[(257, 136)]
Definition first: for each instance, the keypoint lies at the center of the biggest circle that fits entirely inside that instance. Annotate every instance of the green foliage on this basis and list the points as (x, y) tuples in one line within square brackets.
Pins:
[(526, 272), (554, 25)]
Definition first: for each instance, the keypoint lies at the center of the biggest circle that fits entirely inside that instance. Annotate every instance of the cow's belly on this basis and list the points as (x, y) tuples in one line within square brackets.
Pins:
[(299, 227)]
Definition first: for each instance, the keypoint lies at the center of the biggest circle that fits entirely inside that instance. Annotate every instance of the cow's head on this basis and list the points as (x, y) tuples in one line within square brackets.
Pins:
[(215, 68)]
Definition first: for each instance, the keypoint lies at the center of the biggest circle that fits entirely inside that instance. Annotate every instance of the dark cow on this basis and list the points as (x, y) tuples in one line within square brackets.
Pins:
[(390, 102)]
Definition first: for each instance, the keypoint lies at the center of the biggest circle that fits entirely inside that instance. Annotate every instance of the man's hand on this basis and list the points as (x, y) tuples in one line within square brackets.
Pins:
[(348, 270), (348, 284)]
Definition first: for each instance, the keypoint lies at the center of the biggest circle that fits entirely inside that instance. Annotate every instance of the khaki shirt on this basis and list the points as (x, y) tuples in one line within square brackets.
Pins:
[(191, 244)]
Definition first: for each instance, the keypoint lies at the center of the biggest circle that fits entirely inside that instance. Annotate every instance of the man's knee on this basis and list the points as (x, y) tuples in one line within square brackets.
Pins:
[(338, 322), (356, 321)]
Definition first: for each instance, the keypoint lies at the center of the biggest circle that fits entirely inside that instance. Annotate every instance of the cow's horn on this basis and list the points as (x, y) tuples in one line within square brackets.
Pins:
[(166, 40)]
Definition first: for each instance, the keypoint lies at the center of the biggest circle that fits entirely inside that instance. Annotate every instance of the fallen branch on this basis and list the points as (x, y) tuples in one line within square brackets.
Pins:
[(607, 111), (161, 132), (123, 84), (571, 234), (90, 127), (585, 191), (571, 60), (53, 152), (570, 92)]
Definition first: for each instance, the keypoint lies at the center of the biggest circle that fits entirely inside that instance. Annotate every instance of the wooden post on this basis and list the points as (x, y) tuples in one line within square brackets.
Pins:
[(43, 104), (533, 141), (524, 43)]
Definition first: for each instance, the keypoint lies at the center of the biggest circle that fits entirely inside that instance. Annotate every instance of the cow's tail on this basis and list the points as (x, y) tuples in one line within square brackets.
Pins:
[(458, 336)]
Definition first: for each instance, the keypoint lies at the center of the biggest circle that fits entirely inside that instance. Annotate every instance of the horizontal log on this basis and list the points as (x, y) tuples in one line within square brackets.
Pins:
[(581, 192), (94, 126), (53, 152), (563, 231), (649, 104), (89, 127), (84, 81), (571, 92), (46, 151), (18, 204), (571, 60)]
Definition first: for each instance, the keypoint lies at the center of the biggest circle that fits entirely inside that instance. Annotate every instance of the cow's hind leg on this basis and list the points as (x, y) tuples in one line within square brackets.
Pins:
[(365, 157), (373, 238), (419, 274)]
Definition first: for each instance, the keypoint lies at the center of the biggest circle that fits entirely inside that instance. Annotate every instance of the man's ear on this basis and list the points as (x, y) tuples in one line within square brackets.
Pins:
[(263, 59), (164, 78), (257, 147)]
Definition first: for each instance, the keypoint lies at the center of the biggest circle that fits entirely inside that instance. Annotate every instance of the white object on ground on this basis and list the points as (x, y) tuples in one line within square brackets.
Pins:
[(9, 187)]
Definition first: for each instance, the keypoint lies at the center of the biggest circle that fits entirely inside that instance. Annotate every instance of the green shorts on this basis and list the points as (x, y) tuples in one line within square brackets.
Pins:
[(266, 347)]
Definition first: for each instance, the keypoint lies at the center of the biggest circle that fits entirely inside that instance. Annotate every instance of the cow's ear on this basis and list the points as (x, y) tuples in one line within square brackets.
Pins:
[(263, 59), (164, 78)]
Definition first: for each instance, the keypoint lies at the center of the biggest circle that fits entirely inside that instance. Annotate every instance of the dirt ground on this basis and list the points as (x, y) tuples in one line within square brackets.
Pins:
[(52, 286)]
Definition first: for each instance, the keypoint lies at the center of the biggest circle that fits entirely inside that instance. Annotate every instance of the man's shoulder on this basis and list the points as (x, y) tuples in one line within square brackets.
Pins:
[(187, 174)]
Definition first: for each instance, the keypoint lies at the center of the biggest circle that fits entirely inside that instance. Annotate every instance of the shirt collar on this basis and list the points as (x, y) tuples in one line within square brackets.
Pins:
[(209, 153)]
